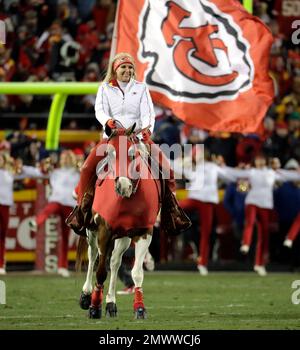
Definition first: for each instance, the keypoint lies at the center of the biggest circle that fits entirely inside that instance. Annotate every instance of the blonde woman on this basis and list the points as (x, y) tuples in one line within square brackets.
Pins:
[(119, 97)]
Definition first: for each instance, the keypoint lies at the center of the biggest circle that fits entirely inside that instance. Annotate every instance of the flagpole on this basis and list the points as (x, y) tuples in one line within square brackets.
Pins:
[(113, 48), (248, 4)]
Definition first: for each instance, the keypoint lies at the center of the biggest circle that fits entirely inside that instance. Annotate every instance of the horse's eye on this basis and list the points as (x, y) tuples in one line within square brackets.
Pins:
[(131, 152)]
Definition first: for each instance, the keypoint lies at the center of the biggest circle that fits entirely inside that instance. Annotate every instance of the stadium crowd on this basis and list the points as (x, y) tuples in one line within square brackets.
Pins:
[(64, 40)]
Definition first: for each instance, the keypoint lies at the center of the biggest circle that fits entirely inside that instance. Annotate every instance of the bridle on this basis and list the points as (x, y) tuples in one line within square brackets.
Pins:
[(132, 136)]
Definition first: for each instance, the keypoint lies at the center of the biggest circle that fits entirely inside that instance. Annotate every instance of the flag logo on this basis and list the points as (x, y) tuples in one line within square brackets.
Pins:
[(199, 51)]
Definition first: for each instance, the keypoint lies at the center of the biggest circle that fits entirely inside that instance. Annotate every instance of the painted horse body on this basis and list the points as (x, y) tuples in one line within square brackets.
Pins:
[(126, 214), (125, 207)]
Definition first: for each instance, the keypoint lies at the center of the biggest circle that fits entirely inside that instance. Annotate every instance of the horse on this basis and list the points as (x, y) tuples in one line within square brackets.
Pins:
[(126, 203)]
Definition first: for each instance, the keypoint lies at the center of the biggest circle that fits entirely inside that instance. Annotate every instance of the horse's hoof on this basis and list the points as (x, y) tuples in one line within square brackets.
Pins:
[(95, 312), (85, 300), (111, 310), (140, 313)]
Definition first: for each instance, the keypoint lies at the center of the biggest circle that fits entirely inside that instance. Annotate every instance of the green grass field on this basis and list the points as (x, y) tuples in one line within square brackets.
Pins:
[(174, 300)]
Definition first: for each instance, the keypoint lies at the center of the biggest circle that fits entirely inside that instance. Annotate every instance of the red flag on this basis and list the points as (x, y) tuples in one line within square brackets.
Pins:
[(205, 60)]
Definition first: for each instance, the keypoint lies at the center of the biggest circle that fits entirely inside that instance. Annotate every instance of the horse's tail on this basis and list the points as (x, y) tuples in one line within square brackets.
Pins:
[(81, 253)]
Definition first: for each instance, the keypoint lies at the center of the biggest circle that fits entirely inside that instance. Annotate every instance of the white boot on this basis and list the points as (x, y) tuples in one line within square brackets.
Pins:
[(288, 243), (2, 271), (244, 249), (261, 270), (203, 270), (63, 272)]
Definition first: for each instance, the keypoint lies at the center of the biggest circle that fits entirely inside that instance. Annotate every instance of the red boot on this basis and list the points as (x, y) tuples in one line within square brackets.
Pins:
[(138, 298)]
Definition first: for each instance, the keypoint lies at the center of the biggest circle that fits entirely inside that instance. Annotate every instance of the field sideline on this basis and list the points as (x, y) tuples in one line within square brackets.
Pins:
[(174, 300)]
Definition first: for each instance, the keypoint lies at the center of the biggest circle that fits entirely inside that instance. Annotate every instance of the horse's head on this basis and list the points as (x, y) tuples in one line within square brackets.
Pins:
[(122, 150)]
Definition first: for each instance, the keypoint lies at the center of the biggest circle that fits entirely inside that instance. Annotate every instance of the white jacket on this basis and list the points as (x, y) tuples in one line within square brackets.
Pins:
[(133, 105), (204, 185), (63, 182), (7, 182), (262, 183), (6, 187)]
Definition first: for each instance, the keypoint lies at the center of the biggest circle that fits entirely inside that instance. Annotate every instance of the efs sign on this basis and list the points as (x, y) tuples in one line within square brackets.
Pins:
[(21, 241), (20, 238)]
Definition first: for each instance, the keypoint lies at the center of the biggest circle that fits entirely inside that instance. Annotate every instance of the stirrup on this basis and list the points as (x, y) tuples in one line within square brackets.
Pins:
[(173, 219), (73, 222)]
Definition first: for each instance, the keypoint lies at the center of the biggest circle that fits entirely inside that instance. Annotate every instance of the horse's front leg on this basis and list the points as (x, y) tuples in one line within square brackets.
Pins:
[(141, 248), (121, 245), (85, 297), (104, 244)]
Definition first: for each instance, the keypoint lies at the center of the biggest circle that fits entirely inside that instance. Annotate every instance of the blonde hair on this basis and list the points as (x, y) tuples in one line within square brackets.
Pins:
[(8, 161), (110, 74), (69, 153)]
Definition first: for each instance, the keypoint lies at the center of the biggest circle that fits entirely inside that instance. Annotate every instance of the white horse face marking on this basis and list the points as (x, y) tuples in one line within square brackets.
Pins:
[(124, 186)]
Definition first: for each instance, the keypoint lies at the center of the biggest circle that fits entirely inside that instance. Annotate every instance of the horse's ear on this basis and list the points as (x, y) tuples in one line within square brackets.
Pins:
[(130, 130)]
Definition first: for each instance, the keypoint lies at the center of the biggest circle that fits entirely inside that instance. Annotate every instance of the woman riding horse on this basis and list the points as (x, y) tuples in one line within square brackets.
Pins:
[(121, 98), (123, 105), (124, 208)]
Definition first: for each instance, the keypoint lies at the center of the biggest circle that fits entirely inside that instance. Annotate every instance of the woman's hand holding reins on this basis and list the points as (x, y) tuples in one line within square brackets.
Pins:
[(111, 123), (109, 126)]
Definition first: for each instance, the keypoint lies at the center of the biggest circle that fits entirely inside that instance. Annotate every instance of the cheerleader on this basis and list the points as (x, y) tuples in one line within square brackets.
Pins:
[(202, 197), (10, 170), (259, 202), (63, 181)]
